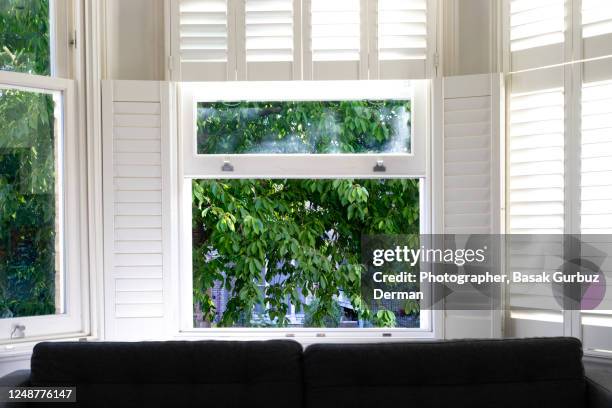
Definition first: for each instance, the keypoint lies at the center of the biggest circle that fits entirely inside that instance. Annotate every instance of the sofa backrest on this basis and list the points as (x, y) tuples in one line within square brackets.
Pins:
[(538, 373), (174, 374)]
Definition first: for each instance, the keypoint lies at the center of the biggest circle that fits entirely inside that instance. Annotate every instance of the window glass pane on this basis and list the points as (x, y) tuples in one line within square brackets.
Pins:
[(30, 259), (304, 127), (24, 36), (287, 253)]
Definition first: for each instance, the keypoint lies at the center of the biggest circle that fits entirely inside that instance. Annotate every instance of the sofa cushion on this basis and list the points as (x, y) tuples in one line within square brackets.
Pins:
[(166, 374), (537, 373)]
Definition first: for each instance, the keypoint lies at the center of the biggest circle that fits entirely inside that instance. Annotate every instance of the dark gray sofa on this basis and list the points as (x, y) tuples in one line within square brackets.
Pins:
[(525, 373)]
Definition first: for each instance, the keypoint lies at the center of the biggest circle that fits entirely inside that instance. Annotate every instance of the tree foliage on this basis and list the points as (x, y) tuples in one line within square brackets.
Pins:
[(24, 36), (27, 166), (303, 234), (304, 127)]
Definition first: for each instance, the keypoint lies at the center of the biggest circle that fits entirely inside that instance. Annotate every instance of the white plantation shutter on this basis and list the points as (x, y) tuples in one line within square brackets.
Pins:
[(335, 43), (136, 209), (596, 196), (537, 33), (536, 162), (596, 169), (203, 40), (400, 39), (536, 197), (272, 46), (216, 40), (596, 28), (472, 110)]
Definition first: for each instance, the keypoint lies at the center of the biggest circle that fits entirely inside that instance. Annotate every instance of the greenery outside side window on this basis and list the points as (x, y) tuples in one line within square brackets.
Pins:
[(28, 160)]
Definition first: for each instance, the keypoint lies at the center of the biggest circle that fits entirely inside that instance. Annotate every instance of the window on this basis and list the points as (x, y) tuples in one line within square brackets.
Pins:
[(277, 193), (286, 253), (40, 281), (265, 40), (304, 127), (559, 62)]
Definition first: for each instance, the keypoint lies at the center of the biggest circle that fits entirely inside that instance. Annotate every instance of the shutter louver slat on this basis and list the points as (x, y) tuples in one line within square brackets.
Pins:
[(596, 18)]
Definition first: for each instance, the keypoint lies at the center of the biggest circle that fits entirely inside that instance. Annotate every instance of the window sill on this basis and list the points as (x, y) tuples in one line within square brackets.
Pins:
[(306, 337), (18, 349)]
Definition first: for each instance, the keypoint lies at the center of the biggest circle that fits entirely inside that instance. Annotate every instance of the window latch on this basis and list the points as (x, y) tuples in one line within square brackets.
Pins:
[(18, 331), (380, 167), (227, 166)]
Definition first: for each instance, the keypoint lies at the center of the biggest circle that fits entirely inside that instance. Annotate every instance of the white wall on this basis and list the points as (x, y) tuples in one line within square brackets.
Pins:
[(134, 39), (470, 36)]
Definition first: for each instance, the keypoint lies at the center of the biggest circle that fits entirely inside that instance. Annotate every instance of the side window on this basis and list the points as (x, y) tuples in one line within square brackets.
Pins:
[(39, 263)]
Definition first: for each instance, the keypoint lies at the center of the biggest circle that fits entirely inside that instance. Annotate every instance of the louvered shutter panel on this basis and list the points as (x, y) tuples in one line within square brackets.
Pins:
[(537, 33), (203, 40), (596, 28), (335, 43), (596, 196), (535, 197), (272, 46), (472, 109), (399, 34), (136, 209), (536, 162), (596, 184)]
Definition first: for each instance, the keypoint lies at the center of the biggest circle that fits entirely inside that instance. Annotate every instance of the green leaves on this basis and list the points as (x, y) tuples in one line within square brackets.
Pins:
[(292, 240), (385, 318), (304, 127), (27, 166)]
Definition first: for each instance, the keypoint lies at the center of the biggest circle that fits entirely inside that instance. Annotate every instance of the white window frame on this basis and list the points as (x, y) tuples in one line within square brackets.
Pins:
[(73, 322), (314, 166), (69, 19)]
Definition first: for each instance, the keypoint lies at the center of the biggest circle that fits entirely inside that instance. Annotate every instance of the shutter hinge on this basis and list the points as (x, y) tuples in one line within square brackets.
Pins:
[(436, 62)]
